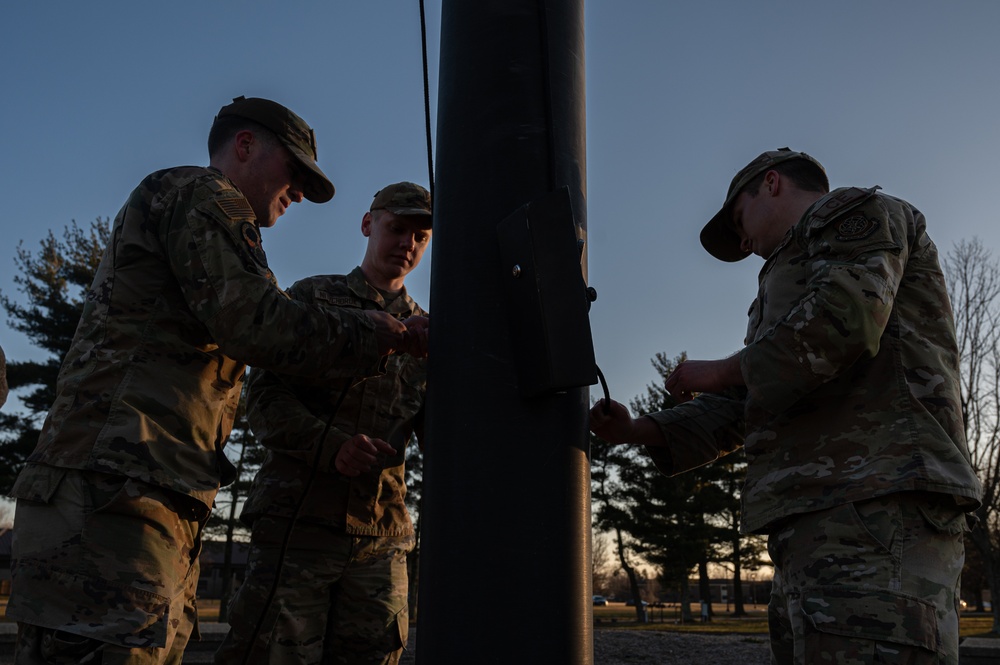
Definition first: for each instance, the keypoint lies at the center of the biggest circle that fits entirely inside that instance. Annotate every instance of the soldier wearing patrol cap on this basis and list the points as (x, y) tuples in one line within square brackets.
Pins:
[(112, 503), (846, 399), (326, 577)]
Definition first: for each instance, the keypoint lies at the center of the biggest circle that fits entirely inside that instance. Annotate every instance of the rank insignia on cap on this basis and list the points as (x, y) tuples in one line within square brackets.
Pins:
[(252, 237), (857, 227)]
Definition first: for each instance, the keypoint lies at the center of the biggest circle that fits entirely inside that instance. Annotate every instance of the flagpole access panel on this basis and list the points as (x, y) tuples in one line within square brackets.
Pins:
[(505, 557)]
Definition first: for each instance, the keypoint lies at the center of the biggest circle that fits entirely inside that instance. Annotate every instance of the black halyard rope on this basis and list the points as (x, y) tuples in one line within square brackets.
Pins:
[(427, 105)]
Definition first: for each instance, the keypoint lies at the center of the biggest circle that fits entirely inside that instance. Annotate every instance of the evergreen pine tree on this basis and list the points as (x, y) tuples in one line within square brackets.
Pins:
[(54, 281)]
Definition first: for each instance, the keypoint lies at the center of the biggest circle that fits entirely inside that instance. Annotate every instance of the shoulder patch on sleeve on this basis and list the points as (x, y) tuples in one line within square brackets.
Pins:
[(841, 201), (235, 208), (856, 227), (865, 226), (252, 238), (235, 216)]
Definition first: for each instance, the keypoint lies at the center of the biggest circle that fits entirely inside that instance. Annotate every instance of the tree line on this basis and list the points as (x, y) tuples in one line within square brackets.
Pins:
[(676, 524), (680, 526)]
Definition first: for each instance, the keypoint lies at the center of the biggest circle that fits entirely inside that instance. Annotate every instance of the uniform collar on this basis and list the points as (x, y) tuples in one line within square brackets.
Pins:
[(403, 304)]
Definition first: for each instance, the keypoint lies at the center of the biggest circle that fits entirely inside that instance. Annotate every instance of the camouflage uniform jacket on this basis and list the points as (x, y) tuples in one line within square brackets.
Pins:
[(290, 417), (851, 367), (182, 298)]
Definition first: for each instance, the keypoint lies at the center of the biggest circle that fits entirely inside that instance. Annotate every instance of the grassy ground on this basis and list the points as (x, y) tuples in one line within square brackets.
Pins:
[(617, 615)]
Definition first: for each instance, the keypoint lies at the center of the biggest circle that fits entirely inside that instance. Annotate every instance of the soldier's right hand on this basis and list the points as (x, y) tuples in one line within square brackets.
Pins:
[(614, 425), (359, 453), (389, 331)]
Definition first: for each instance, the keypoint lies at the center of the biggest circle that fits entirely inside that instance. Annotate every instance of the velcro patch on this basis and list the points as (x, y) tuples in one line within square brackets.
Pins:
[(841, 200), (235, 208), (252, 237), (856, 227), (339, 301)]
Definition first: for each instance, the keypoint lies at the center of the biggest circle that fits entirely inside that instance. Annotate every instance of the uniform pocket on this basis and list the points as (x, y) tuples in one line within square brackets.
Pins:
[(900, 628), (61, 648), (944, 518), (401, 630), (141, 544), (38, 483)]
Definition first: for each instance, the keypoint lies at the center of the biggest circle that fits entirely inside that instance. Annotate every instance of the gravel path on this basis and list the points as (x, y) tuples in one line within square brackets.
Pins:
[(623, 647), (628, 647)]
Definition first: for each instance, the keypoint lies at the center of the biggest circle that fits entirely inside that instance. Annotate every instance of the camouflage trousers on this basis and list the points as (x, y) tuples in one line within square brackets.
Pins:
[(875, 581), (105, 570), (318, 595)]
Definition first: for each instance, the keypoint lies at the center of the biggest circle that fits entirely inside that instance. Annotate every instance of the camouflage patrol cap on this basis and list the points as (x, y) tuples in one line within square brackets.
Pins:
[(718, 237), (403, 198), (293, 132)]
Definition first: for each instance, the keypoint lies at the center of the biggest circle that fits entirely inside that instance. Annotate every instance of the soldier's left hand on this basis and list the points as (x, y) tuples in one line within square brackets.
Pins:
[(416, 337), (703, 376), (388, 331)]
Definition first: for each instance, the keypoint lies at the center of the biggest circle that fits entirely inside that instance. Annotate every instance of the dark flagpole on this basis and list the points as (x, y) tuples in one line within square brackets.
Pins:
[(505, 564)]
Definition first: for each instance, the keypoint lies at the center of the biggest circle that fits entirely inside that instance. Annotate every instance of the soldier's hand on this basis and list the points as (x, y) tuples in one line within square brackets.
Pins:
[(703, 376), (359, 453), (416, 337), (389, 331), (615, 426), (618, 426)]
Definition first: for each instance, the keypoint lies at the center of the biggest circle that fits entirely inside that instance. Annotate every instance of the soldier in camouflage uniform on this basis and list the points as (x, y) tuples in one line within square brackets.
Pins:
[(112, 503), (326, 579), (846, 399)]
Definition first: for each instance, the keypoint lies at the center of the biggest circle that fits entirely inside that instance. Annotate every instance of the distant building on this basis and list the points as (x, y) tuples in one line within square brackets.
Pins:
[(755, 592)]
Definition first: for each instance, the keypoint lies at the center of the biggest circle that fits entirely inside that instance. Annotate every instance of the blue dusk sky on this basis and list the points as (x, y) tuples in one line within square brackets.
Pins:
[(680, 95)]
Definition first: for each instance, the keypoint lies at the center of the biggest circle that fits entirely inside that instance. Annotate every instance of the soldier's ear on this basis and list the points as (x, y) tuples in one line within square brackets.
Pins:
[(772, 182), (244, 140), (366, 225)]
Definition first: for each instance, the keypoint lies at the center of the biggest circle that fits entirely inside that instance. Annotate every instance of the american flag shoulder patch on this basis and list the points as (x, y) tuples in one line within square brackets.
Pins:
[(235, 208)]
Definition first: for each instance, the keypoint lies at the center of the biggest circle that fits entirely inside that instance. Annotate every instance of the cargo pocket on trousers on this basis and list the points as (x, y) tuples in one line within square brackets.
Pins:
[(400, 629), (135, 553), (37, 483), (60, 647), (944, 518), (900, 628)]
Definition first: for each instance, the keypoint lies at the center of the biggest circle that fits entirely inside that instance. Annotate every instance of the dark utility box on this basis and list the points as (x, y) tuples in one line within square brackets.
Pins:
[(548, 304)]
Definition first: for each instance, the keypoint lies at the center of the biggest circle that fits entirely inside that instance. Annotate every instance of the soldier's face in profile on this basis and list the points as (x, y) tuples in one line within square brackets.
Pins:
[(275, 181), (753, 221)]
